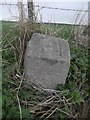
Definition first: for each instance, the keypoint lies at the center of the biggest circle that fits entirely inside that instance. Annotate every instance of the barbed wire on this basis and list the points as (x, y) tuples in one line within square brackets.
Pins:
[(54, 8), (62, 9)]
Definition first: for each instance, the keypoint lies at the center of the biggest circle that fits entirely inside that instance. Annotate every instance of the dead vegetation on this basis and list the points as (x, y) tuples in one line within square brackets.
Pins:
[(46, 104)]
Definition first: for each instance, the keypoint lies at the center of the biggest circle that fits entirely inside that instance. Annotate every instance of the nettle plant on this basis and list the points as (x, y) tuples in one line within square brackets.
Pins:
[(77, 82), (74, 93)]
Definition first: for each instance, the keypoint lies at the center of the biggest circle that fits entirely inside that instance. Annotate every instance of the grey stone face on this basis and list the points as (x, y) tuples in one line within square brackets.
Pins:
[(47, 61)]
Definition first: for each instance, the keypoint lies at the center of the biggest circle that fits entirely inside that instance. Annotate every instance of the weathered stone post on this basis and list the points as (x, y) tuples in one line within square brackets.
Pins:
[(47, 61)]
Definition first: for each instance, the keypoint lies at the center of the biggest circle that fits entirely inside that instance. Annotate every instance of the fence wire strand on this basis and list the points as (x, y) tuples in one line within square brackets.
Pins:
[(44, 7)]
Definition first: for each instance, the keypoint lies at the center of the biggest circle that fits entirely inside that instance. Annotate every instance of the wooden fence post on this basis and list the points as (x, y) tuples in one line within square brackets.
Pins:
[(30, 10)]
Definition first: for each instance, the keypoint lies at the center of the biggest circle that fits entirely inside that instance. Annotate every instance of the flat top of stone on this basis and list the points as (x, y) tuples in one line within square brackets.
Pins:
[(50, 47)]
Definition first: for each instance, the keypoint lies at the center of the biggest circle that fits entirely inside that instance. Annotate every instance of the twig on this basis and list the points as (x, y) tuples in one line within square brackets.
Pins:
[(50, 90), (82, 83), (18, 97), (63, 111), (19, 107), (19, 86), (59, 97), (52, 112), (47, 100), (46, 113)]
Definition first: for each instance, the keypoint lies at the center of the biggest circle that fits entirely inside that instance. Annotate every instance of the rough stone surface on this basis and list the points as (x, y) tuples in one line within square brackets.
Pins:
[(47, 61)]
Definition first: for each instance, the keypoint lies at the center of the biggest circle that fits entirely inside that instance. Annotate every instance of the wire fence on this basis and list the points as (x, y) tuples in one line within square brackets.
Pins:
[(45, 14), (48, 7)]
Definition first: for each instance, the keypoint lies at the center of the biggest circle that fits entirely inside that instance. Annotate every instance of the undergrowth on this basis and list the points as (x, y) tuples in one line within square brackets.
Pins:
[(22, 101)]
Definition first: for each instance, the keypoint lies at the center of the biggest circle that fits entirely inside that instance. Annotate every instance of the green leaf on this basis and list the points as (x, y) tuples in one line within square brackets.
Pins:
[(63, 113), (70, 85), (13, 112), (77, 97), (24, 94), (6, 100), (61, 87), (26, 113)]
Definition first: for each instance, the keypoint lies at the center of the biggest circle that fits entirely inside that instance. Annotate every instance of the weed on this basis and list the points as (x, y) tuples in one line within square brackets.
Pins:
[(22, 101)]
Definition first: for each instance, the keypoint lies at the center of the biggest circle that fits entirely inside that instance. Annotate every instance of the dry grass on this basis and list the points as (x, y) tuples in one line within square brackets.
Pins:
[(45, 104)]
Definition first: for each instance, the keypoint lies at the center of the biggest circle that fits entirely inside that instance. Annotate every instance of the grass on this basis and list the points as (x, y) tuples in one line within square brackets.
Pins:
[(21, 101)]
